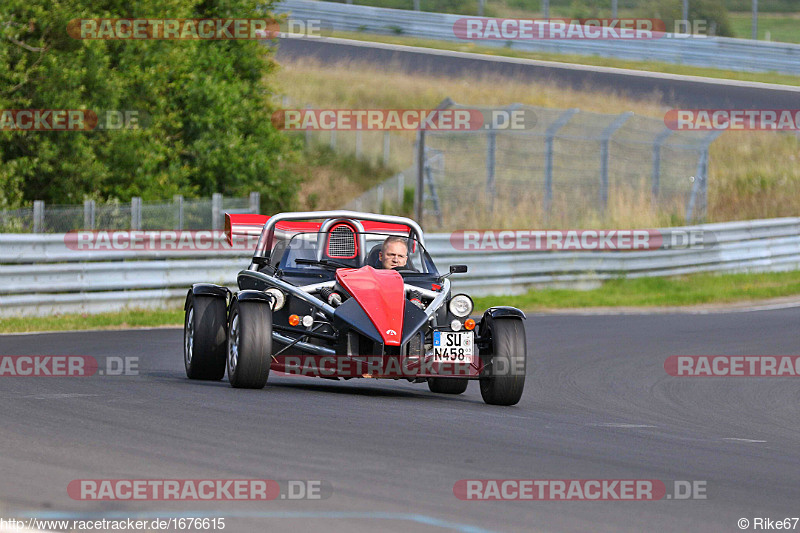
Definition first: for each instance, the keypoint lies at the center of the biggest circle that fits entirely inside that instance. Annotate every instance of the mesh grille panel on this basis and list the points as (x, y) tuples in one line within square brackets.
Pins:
[(342, 242)]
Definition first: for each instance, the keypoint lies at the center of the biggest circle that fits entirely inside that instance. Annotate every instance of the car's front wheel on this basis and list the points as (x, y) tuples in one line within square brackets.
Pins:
[(249, 344), (204, 337), (503, 378)]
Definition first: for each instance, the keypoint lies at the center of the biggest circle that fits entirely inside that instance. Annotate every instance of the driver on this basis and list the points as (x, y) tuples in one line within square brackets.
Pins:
[(394, 253)]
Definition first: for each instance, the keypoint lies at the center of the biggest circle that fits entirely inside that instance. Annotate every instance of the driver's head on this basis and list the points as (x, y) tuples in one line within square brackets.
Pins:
[(394, 252)]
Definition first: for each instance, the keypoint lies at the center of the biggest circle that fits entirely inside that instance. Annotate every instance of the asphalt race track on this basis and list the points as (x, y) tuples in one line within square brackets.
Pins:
[(673, 90), (598, 404)]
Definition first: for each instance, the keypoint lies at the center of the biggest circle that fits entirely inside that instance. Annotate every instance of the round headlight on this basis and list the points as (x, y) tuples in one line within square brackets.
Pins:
[(279, 298), (461, 305)]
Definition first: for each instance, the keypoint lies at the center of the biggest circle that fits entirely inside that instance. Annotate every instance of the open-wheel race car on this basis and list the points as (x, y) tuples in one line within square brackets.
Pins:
[(340, 294)]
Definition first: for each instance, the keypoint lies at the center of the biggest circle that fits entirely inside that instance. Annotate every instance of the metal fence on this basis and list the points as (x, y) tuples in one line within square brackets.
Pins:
[(566, 167), (716, 52), (181, 213), (41, 275)]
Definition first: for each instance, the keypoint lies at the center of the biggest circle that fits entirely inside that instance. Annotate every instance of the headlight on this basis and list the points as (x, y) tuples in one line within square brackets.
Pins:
[(461, 305), (279, 297)]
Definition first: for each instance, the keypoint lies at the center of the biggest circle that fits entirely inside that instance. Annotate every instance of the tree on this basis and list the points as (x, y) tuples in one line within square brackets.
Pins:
[(205, 107)]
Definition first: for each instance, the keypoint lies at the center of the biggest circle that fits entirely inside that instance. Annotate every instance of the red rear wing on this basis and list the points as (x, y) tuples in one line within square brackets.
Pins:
[(248, 224)]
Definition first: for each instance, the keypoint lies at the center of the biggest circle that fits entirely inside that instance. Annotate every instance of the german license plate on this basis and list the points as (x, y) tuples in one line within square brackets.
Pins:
[(453, 347)]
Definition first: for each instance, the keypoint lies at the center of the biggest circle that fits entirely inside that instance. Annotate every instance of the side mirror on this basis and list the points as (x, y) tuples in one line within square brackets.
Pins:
[(458, 269), (260, 261)]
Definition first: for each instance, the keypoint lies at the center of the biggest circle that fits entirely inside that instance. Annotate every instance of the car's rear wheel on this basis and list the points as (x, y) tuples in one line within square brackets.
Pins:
[(249, 344), (204, 337), (447, 385), (503, 378)]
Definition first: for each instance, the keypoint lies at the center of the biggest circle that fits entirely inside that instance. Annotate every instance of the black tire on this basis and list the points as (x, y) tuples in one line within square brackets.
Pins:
[(204, 337), (447, 385), (504, 379), (249, 344)]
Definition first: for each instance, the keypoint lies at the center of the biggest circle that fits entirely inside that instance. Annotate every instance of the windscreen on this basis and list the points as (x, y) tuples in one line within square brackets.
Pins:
[(349, 249)]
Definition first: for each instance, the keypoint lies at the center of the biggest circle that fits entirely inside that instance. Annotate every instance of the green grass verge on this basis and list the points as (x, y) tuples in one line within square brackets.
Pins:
[(124, 319), (694, 289), (650, 66), (781, 27), (643, 292)]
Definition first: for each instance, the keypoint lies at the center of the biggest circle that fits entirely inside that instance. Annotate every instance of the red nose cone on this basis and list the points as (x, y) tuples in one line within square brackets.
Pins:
[(382, 296)]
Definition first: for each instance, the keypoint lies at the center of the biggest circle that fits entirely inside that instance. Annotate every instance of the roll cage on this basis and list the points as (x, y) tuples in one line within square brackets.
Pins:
[(361, 223)]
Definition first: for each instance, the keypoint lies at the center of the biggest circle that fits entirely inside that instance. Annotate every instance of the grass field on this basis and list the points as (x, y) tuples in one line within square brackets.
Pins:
[(136, 318), (782, 27)]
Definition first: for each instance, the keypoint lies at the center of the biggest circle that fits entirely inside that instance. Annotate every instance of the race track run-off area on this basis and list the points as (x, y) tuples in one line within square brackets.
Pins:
[(598, 405)]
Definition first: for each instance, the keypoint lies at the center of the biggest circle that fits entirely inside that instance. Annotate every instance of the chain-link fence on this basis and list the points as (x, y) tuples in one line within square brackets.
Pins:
[(566, 167), (180, 214)]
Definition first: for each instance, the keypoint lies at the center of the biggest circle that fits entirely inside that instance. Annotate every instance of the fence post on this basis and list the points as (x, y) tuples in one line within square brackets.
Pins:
[(401, 189), (255, 202), (38, 216), (659, 141), (136, 213), (698, 200), (308, 133), (420, 160), (358, 144), (216, 211), (549, 140), (380, 198), (491, 152), (88, 214), (605, 138), (386, 148), (333, 140), (178, 201), (690, 206)]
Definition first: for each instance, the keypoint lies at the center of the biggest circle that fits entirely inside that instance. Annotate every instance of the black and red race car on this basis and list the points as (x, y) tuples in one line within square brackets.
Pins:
[(320, 298)]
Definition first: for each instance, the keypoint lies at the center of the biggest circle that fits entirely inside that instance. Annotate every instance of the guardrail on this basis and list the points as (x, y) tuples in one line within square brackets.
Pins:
[(41, 275), (717, 52)]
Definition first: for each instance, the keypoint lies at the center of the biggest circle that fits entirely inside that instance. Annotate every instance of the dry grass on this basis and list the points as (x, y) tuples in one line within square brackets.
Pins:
[(754, 175), (751, 175), (364, 86)]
